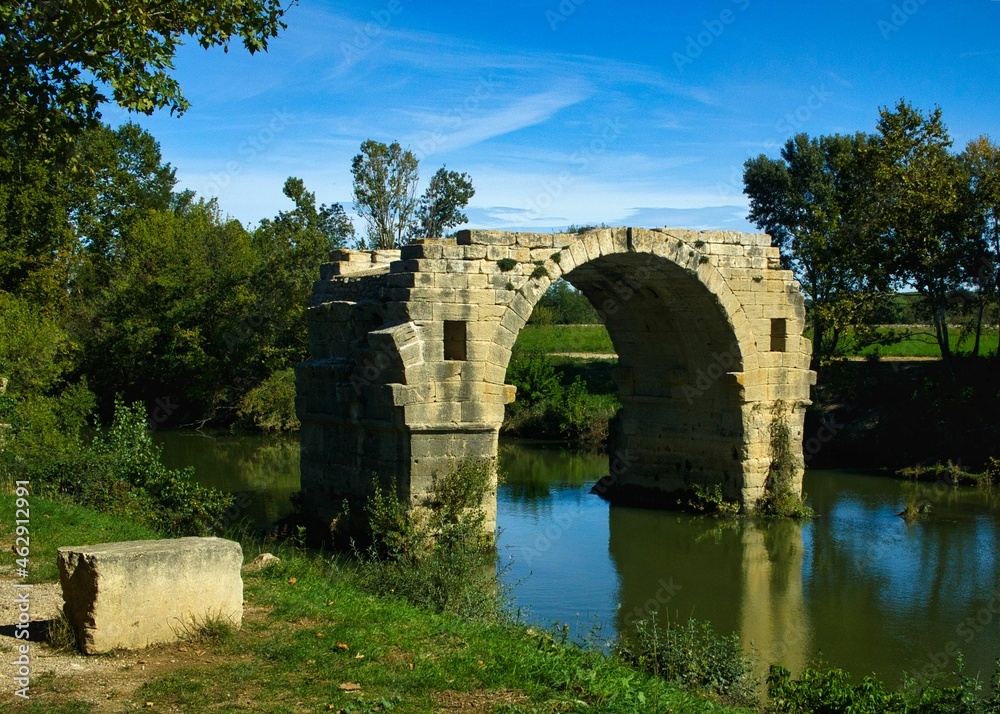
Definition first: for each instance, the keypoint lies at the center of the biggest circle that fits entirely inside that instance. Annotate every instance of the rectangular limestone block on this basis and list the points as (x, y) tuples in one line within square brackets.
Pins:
[(138, 593)]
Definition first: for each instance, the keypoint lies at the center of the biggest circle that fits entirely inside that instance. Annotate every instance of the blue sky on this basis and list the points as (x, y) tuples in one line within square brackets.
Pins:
[(579, 111)]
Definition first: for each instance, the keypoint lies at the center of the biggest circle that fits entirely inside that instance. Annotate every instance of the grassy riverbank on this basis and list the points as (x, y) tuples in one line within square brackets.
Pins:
[(310, 631), (917, 341)]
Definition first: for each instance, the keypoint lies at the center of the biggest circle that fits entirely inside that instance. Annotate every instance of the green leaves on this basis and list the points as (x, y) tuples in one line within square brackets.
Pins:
[(385, 186), (59, 58)]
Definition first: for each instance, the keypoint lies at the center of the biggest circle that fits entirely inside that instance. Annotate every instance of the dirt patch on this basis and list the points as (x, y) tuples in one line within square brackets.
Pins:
[(109, 682), (480, 700)]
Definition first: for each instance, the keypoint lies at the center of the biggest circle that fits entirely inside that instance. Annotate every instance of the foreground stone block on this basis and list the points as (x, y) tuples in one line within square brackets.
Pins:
[(139, 593)]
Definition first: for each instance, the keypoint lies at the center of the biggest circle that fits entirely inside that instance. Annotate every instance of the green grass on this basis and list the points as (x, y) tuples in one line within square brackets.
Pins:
[(594, 339), (565, 338), (57, 524), (309, 628), (921, 342)]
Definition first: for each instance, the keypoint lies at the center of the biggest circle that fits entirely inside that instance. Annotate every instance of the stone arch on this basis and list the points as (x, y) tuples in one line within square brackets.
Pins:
[(673, 367), (443, 316)]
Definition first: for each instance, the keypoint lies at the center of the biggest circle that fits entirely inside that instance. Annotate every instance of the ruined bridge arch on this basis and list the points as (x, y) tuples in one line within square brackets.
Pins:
[(409, 352)]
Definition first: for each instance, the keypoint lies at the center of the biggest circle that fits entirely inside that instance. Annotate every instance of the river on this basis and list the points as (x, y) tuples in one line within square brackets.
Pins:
[(857, 586)]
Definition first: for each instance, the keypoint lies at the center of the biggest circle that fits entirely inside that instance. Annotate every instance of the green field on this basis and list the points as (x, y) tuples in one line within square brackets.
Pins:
[(594, 339), (920, 342), (565, 338)]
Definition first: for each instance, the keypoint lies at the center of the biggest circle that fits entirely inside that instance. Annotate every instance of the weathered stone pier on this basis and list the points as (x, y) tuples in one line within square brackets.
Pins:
[(409, 352)]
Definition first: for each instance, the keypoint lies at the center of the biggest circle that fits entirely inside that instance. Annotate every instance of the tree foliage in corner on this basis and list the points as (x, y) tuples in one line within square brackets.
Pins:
[(858, 217), (385, 196), (923, 206), (59, 57)]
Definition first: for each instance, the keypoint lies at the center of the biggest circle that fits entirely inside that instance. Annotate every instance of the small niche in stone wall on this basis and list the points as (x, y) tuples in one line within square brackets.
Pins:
[(454, 340), (779, 334)]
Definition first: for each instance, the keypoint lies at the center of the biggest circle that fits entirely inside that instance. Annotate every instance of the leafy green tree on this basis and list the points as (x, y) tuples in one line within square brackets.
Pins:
[(385, 196), (808, 201), (121, 178), (982, 161), (385, 192), (919, 201), (181, 283), (59, 57), (35, 351), (37, 248), (441, 205)]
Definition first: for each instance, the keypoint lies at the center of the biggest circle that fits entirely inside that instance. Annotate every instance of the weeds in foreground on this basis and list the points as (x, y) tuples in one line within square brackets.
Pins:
[(60, 635), (821, 689), (692, 655), (438, 555)]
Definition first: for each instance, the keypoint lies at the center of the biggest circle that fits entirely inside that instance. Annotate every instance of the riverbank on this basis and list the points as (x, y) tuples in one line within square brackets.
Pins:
[(313, 641), (904, 413)]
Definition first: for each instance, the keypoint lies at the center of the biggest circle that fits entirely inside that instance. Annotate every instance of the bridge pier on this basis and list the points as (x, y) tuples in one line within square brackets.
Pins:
[(409, 352)]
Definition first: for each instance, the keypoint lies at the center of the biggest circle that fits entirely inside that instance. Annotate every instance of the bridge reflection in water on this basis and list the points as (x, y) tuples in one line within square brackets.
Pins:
[(742, 577), (857, 587)]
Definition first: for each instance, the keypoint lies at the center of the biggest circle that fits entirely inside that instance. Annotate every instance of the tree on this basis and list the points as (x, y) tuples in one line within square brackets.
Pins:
[(60, 56), (121, 177), (442, 203), (330, 223), (982, 162), (385, 188), (385, 196), (919, 200), (808, 203)]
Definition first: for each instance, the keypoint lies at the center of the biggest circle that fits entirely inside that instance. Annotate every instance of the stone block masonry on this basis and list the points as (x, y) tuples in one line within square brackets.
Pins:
[(138, 593), (409, 352)]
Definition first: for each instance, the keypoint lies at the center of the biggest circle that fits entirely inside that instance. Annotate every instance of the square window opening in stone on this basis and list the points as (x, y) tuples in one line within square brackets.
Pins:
[(454, 340), (779, 334)]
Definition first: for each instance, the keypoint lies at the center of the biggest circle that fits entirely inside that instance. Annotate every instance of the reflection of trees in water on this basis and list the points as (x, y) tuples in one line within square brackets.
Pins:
[(743, 577), (532, 471), (263, 468), (885, 593)]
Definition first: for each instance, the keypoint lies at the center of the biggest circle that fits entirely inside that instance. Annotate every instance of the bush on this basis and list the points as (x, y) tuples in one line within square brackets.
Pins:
[(534, 375), (830, 690), (695, 657), (546, 409), (270, 406), (438, 555), (119, 472)]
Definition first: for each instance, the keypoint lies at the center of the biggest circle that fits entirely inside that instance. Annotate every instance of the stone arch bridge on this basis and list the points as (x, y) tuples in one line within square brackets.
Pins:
[(409, 352)]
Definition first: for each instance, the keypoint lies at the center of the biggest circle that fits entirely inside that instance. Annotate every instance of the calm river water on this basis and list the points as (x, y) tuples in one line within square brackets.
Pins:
[(856, 586)]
